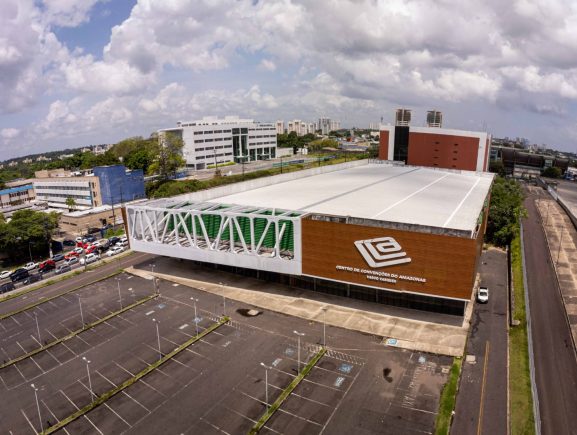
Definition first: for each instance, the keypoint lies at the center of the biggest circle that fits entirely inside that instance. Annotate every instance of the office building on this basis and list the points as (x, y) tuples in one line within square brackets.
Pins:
[(212, 141)]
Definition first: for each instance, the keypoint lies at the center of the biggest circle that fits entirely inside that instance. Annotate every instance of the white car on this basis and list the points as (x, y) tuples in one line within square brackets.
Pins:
[(483, 295), (5, 274), (78, 250), (115, 250), (90, 258), (31, 266), (71, 261)]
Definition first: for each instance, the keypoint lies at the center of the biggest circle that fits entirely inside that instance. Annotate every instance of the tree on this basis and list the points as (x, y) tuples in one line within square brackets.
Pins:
[(552, 172), (138, 159), (70, 203), (505, 209), (167, 157), (27, 228), (497, 167)]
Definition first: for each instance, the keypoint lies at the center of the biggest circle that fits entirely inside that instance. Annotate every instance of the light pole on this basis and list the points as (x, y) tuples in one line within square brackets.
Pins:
[(223, 298), (30, 250), (119, 295), (266, 369), (81, 313), (154, 283), (87, 361), (559, 249), (194, 300), (324, 326), (38, 329), (299, 335), (38, 406), (158, 338)]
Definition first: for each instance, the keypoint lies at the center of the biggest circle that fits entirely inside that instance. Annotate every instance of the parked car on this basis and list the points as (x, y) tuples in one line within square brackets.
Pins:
[(68, 242), (88, 239), (79, 239), (90, 249), (115, 250), (90, 258), (62, 269), (31, 266), (32, 278), (19, 274), (5, 274), (58, 257), (71, 260), (7, 287), (47, 265), (483, 295), (78, 251), (113, 240)]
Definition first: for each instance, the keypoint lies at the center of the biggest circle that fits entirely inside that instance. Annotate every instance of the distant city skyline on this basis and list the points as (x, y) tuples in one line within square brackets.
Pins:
[(86, 72)]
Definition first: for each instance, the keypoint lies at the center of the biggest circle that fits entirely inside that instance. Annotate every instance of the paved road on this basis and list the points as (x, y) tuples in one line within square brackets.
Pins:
[(73, 282), (555, 364), (488, 336)]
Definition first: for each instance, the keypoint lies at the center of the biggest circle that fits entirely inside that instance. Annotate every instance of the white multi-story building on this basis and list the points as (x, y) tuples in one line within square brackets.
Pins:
[(212, 141), (280, 127), (335, 125)]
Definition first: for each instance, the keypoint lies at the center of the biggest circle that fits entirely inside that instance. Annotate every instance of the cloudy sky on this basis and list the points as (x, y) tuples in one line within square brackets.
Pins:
[(80, 72)]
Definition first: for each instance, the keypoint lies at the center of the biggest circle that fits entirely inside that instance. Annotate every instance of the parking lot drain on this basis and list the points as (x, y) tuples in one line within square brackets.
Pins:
[(345, 368), (287, 391), (104, 397)]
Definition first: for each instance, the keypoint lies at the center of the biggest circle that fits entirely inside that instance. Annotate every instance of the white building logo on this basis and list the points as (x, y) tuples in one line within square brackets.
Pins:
[(381, 252)]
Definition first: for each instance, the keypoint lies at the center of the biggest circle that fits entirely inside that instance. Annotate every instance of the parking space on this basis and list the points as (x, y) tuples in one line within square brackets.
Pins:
[(216, 385)]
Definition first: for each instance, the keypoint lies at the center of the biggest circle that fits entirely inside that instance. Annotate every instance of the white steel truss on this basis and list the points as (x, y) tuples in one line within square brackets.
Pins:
[(241, 230)]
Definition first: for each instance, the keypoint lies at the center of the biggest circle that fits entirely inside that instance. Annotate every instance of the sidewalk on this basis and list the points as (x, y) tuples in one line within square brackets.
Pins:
[(410, 333), (562, 241)]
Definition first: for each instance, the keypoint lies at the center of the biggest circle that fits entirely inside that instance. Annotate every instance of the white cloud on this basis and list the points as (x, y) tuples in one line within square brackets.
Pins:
[(267, 65), (9, 133), (67, 13)]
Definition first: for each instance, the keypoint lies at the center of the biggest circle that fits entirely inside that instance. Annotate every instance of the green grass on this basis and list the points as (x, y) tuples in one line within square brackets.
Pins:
[(220, 165), (521, 400), (75, 333), (286, 392), (448, 399), (104, 397)]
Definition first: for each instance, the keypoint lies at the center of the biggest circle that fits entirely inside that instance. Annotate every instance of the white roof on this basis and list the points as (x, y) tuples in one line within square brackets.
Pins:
[(403, 194)]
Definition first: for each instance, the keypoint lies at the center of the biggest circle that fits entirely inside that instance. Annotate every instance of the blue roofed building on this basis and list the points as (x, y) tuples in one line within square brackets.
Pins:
[(118, 185)]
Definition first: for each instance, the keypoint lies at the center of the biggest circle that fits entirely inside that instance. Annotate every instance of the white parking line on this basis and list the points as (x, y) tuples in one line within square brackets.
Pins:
[(149, 313), (85, 416), (106, 404), (29, 422), (52, 414), (124, 392), (183, 326)]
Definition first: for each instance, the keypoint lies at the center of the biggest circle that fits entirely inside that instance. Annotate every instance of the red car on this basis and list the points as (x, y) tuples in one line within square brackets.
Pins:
[(47, 265), (91, 249), (70, 255)]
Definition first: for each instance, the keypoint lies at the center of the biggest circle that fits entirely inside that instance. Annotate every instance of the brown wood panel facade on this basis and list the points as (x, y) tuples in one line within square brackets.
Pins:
[(440, 265)]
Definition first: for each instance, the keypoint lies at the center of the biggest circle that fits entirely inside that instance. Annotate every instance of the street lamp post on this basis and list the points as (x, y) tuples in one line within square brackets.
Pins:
[(87, 361), (81, 313), (38, 329), (324, 326), (223, 298), (559, 248), (158, 338), (194, 300), (154, 282), (119, 295), (299, 335), (37, 406), (266, 369)]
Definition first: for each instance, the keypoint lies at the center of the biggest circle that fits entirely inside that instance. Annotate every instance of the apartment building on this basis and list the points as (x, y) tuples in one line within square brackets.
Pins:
[(17, 193), (212, 141)]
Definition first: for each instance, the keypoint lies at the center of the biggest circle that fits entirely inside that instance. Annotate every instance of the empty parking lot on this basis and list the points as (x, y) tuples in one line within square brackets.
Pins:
[(216, 385)]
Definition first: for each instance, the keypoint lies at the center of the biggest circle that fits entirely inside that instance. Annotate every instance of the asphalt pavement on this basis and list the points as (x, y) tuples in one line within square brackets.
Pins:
[(481, 406), (555, 363)]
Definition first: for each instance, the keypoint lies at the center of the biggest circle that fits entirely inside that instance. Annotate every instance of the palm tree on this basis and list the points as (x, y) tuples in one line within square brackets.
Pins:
[(71, 203)]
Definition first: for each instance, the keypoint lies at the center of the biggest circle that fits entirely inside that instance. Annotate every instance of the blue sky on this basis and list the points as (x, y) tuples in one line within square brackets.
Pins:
[(80, 72)]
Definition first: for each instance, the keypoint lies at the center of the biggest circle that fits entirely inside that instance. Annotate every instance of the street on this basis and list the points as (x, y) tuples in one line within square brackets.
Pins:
[(555, 364), (483, 388)]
